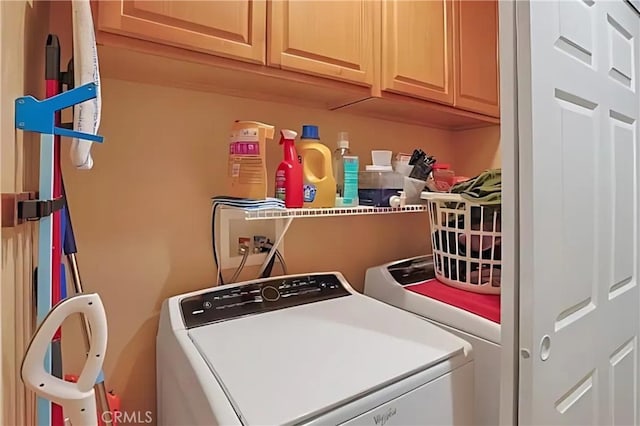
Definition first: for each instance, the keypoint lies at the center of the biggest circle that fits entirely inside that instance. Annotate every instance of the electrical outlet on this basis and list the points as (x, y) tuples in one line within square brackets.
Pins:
[(244, 243), (233, 227)]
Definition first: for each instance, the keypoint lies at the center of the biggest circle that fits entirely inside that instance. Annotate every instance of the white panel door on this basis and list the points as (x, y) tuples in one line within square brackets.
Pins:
[(579, 298)]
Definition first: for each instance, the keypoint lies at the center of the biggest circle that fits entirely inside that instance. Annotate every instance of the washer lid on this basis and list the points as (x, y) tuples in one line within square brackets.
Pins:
[(285, 366), (485, 306)]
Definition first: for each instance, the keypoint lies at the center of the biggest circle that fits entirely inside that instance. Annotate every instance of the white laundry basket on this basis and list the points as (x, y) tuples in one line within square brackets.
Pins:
[(465, 238)]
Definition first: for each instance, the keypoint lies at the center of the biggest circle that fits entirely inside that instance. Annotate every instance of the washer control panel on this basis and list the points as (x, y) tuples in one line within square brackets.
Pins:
[(257, 297), (413, 271)]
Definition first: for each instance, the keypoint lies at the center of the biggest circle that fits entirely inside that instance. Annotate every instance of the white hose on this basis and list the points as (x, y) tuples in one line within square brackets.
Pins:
[(86, 117)]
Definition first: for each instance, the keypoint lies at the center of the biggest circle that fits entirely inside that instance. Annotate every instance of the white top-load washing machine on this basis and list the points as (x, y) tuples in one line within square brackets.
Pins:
[(306, 350), (410, 284)]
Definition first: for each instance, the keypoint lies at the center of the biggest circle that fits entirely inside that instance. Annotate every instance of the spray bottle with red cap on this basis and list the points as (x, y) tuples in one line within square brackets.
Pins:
[(289, 173)]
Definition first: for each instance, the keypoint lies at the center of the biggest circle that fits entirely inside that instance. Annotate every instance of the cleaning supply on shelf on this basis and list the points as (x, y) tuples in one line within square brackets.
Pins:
[(338, 170), (376, 188), (381, 157), (289, 172), (412, 190), (380, 161), (319, 184), (247, 166), (401, 164), (443, 176), (350, 194)]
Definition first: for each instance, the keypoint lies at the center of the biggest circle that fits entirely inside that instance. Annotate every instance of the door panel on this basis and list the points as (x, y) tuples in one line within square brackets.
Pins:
[(579, 213), (476, 56), (324, 38), (622, 386), (234, 29), (417, 49), (202, 16)]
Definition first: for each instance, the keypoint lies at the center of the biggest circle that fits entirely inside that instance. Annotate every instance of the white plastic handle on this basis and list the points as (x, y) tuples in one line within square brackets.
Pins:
[(77, 399)]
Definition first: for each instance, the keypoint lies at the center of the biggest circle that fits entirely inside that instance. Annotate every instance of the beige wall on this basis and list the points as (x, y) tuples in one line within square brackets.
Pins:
[(142, 215), (476, 150), (22, 38)]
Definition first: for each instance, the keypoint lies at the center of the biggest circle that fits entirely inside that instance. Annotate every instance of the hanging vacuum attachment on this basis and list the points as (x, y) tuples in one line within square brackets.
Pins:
[(77, 399)]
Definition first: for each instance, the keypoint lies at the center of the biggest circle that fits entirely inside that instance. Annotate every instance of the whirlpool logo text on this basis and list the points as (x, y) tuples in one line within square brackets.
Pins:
[(382, 419)]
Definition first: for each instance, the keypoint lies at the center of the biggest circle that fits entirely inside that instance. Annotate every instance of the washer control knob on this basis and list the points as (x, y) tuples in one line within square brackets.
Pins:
[(270, 293)]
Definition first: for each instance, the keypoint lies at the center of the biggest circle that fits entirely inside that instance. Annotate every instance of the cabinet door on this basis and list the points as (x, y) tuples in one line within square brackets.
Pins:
[(417, 49), (324, 38), (233, 29), (476, 56)]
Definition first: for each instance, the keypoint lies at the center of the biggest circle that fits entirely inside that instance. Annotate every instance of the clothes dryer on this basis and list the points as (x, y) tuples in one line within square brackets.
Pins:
[(410, 284)]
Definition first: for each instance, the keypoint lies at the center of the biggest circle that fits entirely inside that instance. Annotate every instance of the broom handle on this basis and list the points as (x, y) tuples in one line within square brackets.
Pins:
[(70, 250)]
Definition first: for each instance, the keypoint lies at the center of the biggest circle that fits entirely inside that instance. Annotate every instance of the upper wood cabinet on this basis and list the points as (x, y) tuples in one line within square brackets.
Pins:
[(476, 56), (332, 39), (444, 51), (234, 29), (431, 62), (417, 49)]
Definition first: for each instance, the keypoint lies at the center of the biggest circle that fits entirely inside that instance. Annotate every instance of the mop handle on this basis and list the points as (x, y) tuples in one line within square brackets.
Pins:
[(70, 250)]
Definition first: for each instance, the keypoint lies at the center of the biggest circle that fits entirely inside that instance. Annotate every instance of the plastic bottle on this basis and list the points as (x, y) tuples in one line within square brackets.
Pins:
[(289, 172), (319, 185), (443, 176), (339, 171), (247, 162), (351, 167), (338, 166)]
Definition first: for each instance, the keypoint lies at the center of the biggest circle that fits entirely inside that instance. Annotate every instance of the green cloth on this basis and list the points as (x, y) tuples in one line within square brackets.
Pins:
[(485, 189)]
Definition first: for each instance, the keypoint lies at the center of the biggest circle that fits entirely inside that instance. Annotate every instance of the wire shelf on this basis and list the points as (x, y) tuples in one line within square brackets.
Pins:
[(329, 212)]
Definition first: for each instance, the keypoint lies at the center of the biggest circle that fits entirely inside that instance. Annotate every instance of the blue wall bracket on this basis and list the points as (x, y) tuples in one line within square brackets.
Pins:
[(39, 116)]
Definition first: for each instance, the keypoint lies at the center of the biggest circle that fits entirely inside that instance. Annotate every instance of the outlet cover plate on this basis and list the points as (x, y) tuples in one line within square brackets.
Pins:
[(233, 225)]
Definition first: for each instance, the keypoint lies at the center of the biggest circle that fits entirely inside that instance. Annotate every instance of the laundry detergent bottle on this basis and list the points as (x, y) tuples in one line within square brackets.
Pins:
[(317, 170), (289, 172)]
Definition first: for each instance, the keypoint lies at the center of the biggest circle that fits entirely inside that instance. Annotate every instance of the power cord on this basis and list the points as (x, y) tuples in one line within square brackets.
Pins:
[(216, 260), (282, 263), (245, 255), (267, 271)]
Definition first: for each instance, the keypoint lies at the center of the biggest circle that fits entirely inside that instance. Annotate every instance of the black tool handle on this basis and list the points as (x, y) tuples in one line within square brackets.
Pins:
[(69, 243), (52, 58)]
